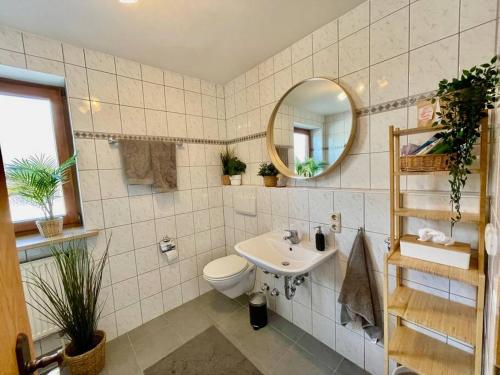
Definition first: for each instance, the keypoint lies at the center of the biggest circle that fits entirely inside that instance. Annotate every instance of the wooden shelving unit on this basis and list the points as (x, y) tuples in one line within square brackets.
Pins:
[(415, 350)]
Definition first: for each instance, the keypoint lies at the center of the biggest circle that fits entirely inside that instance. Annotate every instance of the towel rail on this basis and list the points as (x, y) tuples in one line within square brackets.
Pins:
[(114, 141)]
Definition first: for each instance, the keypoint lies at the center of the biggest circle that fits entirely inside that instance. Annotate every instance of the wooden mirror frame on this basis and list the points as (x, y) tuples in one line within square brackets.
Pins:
[(271, 148)]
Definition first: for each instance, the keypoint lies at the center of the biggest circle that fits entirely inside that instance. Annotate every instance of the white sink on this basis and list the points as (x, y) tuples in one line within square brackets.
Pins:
[(272, 253)]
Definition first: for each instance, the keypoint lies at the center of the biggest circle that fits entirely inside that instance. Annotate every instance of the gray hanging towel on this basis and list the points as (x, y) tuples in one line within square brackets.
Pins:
[(164, 166), (136, 160), (356, 293)]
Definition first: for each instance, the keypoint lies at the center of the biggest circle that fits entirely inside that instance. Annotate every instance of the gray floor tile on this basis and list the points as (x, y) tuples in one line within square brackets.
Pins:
[(279, 348), (285, 327), (216, 305), (320, 351), (120, 358), (265, 346), (297, 361), (346, 367), (153, 341), (188, 320)]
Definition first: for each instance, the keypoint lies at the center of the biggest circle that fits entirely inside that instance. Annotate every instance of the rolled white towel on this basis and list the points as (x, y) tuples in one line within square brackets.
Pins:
[(436, 236)]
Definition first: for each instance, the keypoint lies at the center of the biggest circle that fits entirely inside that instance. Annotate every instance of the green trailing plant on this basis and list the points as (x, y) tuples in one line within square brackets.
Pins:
[(37, 179), (236, 166), (267, 169), (225, 157), (463, 102), (70, 298), (309, 167)]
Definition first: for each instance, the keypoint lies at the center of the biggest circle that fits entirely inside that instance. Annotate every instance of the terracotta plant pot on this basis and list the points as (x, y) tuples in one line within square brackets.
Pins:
[(226, 180), (50, 228), (270, 181), (91, 362)]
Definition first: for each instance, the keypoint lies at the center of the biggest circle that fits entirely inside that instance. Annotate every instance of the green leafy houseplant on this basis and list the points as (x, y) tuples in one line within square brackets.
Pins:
[(269, 172), (463, 102), (236, 167), (309, 167), (70, 299), (36, 181), (267, 169)]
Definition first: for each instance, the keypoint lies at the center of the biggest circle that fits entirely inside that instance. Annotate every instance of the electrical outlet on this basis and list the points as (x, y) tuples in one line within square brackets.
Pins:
[(336, 224)]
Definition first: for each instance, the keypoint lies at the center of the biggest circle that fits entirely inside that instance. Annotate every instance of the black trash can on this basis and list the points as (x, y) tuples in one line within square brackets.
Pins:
[(258, 310)]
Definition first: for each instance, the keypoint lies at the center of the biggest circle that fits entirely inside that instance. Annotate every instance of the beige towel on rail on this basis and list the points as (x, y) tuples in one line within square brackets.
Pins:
[(136, 160), (163, 162), (357, 294)]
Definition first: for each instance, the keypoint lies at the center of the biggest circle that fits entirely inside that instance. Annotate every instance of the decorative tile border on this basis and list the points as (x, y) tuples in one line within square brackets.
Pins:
[(118, 136), (377, 108), (394, 104)]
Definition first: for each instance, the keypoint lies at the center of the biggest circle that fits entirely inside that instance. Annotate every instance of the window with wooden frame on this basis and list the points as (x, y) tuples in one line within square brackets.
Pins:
[(302, 143), (34, 120)]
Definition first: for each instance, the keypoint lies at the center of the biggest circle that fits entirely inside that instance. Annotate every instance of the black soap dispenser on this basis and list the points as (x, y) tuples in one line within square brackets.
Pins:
[(320, 239)]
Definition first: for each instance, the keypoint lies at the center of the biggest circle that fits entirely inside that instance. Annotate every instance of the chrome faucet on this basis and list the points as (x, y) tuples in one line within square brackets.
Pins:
[(293, 236)]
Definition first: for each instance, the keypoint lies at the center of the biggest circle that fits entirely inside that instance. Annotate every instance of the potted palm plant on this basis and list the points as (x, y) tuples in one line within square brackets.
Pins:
[(37, 181), (70, 301), (269, 172)]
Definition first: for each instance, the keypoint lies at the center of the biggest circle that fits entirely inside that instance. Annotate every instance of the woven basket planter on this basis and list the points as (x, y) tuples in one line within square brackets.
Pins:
[(425, 163), (50, 228), (270, 181), (225, 180), (91, 362)]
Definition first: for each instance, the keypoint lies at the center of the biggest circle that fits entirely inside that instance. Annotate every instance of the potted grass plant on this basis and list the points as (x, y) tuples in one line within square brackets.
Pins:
[(37, 181), (70, 301), (269, 172), (225, 157)]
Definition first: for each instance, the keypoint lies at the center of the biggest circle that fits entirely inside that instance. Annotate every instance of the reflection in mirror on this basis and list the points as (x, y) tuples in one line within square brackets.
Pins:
[(312, 127)]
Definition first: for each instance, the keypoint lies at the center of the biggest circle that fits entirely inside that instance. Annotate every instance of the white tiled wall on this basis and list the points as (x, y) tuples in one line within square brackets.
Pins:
[(380, 51), (111, 94)]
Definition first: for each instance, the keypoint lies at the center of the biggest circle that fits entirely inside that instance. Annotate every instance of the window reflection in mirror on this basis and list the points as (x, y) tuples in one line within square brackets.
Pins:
[(312, 127)]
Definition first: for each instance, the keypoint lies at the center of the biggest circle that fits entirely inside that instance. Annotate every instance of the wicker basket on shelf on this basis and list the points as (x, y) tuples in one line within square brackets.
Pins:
[(424, 163)]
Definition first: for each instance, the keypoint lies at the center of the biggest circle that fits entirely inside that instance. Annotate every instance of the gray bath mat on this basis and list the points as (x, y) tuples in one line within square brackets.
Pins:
[(208, 353)]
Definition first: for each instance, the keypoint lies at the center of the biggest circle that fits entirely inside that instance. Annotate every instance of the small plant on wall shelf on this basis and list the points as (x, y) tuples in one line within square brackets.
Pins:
[(463, 102), (269, 172)]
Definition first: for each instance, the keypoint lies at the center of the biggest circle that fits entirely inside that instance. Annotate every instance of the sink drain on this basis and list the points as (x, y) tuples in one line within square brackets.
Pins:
[(285, 263)]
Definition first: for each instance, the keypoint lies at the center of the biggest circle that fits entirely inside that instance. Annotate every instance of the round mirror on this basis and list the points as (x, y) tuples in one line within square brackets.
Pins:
[(311, 128)]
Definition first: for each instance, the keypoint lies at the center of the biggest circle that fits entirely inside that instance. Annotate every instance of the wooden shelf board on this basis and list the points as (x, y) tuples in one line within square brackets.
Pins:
[(411, 131), (426, 355), (433, 173), (448, 317), (436, 215), (470, 276)]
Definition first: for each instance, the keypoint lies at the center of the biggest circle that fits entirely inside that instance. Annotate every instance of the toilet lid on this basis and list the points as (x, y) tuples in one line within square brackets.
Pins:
[(225, 267)]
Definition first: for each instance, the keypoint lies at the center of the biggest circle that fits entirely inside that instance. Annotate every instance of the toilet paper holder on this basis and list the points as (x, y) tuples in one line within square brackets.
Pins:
[(166, 245)]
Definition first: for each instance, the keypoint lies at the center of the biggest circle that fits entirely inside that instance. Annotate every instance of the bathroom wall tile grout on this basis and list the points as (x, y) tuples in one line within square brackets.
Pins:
[(235, 119)]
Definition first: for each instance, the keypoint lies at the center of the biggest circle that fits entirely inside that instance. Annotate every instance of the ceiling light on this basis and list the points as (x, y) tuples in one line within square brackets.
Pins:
[(128, 1)]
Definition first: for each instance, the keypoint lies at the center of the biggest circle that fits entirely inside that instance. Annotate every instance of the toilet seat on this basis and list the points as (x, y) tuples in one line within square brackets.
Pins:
[(225, 267)]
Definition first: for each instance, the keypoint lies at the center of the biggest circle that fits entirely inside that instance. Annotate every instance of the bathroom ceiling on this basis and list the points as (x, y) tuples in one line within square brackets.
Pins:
[(211, 39)]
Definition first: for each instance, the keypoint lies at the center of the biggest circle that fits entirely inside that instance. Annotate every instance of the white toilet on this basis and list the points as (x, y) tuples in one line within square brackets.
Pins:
[(231, 275)]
